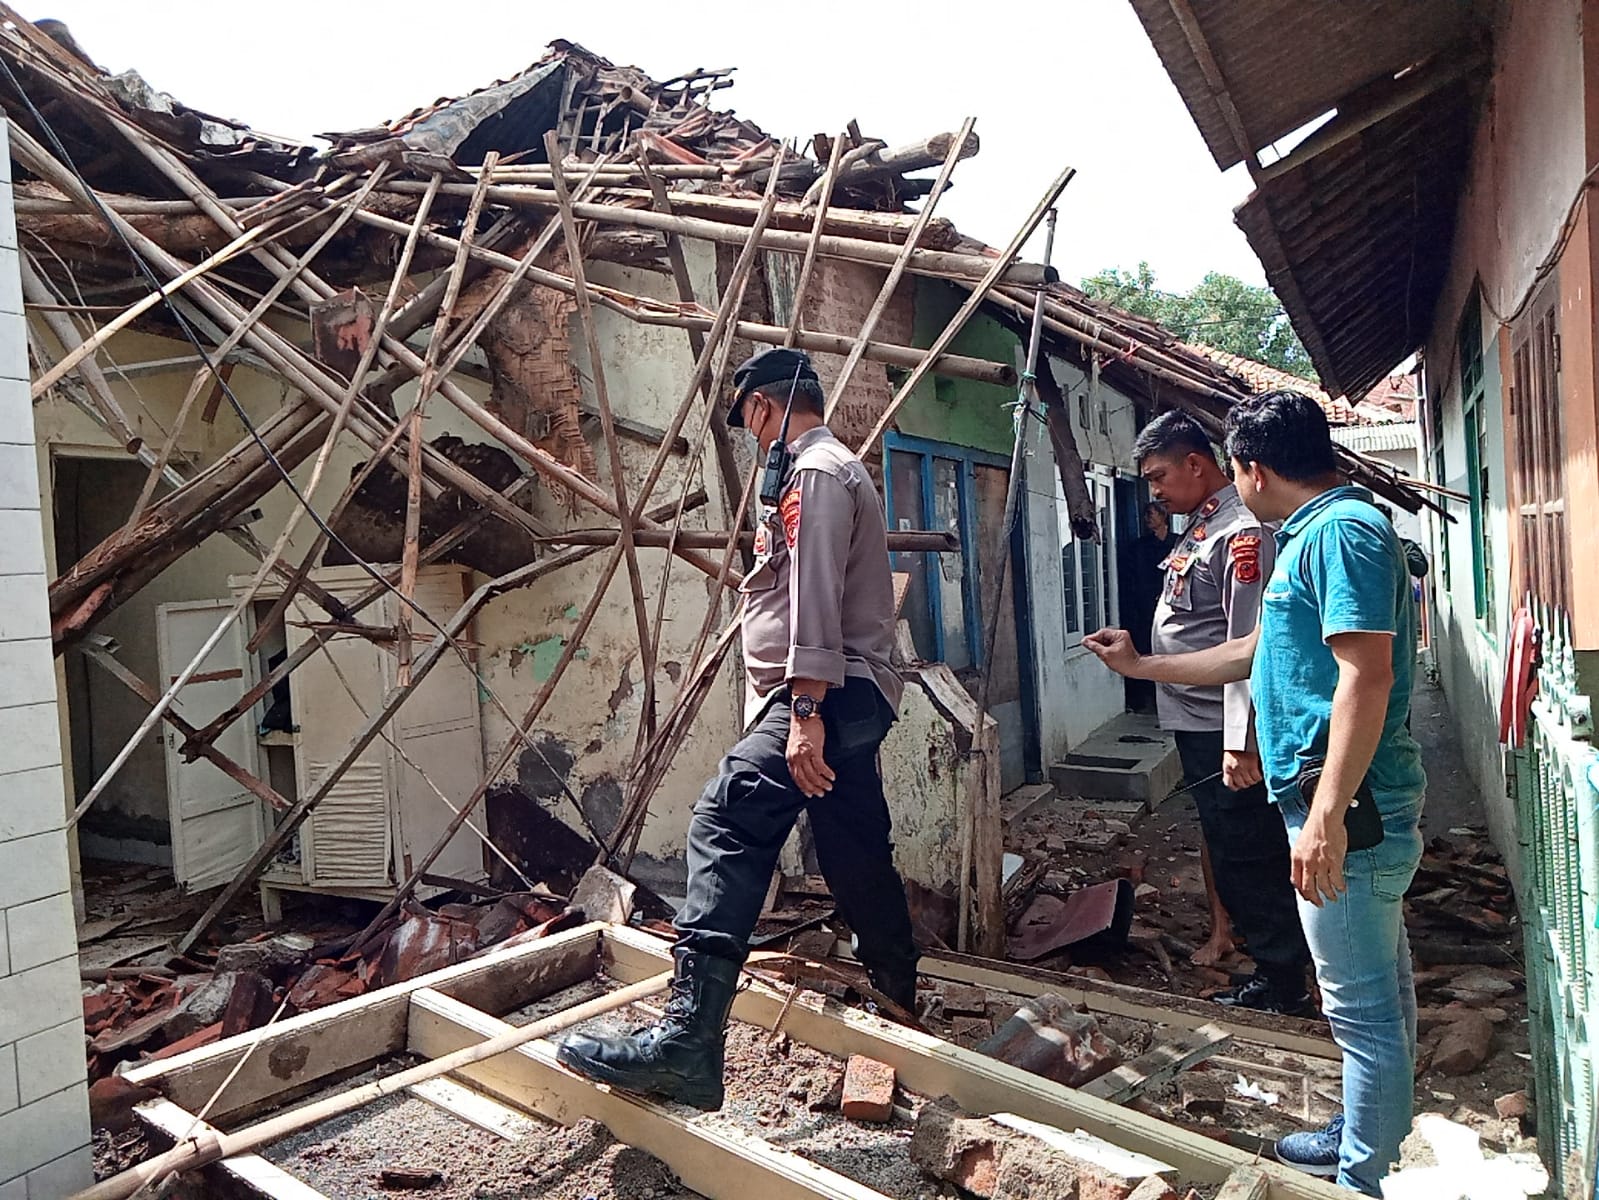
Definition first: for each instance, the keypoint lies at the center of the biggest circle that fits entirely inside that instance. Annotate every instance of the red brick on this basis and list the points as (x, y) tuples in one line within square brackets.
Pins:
[(868, 1089), (1153, 1188), (1465, 1045)]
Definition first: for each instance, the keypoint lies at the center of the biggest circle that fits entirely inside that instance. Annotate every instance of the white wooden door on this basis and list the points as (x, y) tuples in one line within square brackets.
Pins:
[(216, 823)]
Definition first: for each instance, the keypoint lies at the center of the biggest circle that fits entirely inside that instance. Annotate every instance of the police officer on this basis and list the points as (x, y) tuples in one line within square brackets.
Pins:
[(820, 698), (1211, 593)]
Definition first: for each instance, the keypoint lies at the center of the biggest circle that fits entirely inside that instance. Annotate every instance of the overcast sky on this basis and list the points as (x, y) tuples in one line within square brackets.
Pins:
[(1071, 82)]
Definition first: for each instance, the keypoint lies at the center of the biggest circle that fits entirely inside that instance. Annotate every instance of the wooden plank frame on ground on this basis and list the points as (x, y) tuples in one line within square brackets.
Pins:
[(461, 1006)]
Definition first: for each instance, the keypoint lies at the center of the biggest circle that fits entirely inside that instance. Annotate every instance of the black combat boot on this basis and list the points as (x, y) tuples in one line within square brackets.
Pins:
[(680, 1056), (898, 983)]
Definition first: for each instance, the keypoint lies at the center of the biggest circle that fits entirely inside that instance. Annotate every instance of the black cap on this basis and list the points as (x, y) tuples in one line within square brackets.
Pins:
[(778, 365)]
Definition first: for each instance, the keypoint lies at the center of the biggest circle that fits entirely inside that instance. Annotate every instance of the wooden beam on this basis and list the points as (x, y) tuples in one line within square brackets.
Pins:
[(251, 1173), (1165, 1061), (977, 1083), (712, 1159), (314, 1045), (1208, 67), (1292, 1034)]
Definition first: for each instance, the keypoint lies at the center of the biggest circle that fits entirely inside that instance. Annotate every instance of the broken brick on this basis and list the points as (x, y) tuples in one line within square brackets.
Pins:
[(1048, 1037), (1465, 1045), (970, 1031), (951, 1146), (1513, 1107), (868, 1089), (1153, 1188)]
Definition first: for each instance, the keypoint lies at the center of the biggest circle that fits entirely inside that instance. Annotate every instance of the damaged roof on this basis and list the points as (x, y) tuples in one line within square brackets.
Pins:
[(1354, 224)]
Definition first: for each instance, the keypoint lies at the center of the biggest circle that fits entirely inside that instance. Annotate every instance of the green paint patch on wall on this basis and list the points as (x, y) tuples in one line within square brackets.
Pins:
[(546, 653), (959, 411), (571, 613)]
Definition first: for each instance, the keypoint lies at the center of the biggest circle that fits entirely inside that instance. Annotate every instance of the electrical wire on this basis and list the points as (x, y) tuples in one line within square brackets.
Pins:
[(188, 331)]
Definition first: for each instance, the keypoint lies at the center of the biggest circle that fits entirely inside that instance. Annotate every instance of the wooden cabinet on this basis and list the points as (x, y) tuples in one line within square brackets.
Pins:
[(394, 801)]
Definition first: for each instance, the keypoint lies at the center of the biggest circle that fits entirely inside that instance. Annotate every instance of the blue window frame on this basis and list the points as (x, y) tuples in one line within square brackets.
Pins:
[(932, 485)]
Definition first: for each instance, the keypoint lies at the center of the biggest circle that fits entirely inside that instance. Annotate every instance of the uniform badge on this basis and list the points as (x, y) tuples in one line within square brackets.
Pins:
[(1178, 585), (790, 510), (1210, 506), (761, 546), (1246, 557), (1177, 564), (1199, 532)]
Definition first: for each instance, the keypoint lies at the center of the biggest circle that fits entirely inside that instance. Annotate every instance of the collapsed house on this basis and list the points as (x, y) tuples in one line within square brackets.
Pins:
[(483, 346)]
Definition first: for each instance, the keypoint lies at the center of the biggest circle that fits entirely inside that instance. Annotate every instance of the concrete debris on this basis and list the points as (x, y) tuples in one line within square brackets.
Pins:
[(1516, 1106), (868, 1090), (1153, 1188), (1006, 1157), (1049, 1037), (267, 955), (1465, 1044), (603, 895)]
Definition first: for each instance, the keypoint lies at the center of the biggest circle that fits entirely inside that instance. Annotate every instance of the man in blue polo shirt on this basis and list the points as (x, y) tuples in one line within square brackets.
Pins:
[(1332, 692)]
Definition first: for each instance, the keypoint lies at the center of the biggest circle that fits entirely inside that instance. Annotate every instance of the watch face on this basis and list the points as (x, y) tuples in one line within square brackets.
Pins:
[(804, 707)]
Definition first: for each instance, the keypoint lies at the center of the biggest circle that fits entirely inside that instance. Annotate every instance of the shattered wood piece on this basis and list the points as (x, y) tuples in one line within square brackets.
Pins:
[(410, 1178), (1246, 1183), (868, 1090), (603, 895), (964, 1000), (774, 891), (1204, 1093), (1181, 1050), (807, 885), (1048, 1037)]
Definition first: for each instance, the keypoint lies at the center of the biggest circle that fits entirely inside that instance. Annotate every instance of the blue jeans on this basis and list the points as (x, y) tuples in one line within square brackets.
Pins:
[(1362, 957)]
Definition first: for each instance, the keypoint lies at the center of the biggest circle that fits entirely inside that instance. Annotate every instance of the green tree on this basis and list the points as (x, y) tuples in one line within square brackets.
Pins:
[(1222, 312)]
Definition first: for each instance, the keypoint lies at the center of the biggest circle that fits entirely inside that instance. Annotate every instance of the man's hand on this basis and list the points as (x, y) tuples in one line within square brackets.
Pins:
[(1318, 858), (806, 740), (1240, 769), (1115, 649)]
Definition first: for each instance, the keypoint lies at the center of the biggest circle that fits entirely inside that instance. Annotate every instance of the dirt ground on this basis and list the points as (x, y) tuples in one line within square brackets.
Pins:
[(1161, 855)]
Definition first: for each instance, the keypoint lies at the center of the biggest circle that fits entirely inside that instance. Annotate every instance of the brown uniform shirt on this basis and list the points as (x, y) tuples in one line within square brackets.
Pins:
[(1212, 591), (820, 601)]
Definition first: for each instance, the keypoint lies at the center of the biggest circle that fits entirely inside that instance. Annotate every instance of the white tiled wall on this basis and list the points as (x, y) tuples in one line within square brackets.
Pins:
[(44, 1100)]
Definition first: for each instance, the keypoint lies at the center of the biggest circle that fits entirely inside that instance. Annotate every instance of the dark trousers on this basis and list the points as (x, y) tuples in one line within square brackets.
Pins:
[(1248, 859), (744, 816)]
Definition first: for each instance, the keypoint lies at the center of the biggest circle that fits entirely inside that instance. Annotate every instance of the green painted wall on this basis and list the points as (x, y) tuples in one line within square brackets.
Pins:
[(959, 411)]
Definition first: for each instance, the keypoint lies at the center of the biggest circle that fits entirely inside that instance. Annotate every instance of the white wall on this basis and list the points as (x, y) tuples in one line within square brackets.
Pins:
[(44, 1096), (1076, 692)]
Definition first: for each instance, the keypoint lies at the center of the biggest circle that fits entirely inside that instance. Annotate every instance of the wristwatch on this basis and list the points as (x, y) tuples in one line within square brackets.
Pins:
[(803, 707)]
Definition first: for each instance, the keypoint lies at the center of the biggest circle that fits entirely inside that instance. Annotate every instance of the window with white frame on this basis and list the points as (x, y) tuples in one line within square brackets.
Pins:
[(1087, 578)]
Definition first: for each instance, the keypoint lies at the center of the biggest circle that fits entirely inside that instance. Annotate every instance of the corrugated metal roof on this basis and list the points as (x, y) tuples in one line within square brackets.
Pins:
[(1369, 439), (1282, 63), (1356, 239)]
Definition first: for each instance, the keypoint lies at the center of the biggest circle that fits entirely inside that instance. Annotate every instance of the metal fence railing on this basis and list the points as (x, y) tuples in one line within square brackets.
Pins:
[(1556, 782)]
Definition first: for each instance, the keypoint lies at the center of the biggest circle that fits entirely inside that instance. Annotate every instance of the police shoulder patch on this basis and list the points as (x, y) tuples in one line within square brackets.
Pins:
[(790, 510), (1245, 550)]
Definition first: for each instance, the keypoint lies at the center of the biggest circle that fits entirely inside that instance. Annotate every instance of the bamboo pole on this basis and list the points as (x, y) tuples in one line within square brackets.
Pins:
[(102, 655), (942, 264), (897, 271), (970, 305), (613, 449), (825, 185), (37, 291), (295, 515), (220, 355), (392, 702), (726, 463), (905, 541), (200, 1151)]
